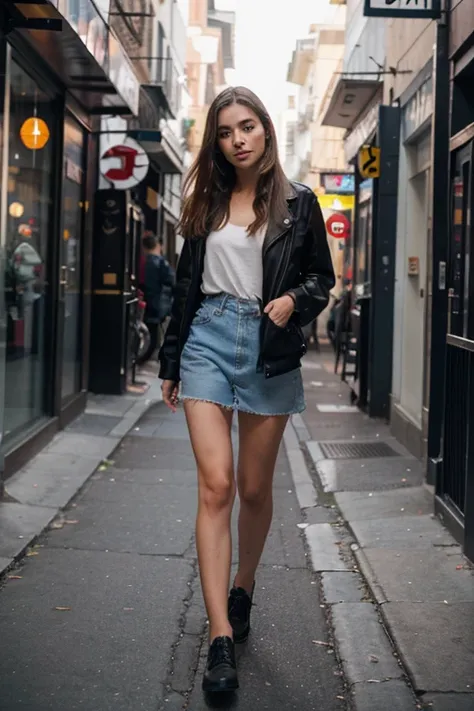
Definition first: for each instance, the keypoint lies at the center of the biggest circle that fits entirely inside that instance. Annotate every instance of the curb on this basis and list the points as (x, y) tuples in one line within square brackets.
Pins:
[(116, 436), (292, 439)]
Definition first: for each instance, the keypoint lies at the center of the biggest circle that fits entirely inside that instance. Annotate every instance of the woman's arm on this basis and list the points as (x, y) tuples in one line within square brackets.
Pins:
[(169, 352), (312, 296)]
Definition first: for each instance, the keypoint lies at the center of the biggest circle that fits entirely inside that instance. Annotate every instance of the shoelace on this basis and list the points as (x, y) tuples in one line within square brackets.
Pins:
[(221, 653)]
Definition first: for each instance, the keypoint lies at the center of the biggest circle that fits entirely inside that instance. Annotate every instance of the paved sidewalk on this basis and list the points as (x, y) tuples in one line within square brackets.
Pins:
[(422, 585), (105, 612), (35, 494)]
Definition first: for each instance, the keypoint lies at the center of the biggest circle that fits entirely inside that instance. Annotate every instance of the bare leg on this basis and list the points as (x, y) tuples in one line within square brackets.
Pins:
[(260, 439), (210, 430)]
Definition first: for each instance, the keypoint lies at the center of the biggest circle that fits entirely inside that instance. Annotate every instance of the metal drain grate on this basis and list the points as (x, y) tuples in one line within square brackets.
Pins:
[(359, 450)]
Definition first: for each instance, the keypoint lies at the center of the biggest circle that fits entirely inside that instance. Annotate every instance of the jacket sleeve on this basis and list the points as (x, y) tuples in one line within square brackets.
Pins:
[(169, 356), (166, 274), (312, 295)]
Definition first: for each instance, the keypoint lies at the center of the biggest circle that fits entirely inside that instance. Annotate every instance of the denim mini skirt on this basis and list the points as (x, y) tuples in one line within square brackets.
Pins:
[(219, 362)]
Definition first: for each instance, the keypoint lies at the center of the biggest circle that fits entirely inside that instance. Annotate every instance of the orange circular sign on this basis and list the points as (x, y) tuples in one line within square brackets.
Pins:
[(34, 133)]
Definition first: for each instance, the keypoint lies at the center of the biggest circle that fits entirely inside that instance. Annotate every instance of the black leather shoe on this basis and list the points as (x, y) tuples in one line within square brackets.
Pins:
[(239, 607), (220, 674)]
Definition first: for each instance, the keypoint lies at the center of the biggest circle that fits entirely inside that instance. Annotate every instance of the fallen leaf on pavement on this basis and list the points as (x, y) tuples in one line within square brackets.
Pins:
[(30, 554), (57, 524), (321, 644), (15, 577), (62, 609), (70, 522), (373, 658), (459, 567)]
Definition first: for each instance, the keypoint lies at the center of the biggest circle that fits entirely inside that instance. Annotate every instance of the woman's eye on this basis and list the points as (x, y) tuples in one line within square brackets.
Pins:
[(226, 134), (248, 128)]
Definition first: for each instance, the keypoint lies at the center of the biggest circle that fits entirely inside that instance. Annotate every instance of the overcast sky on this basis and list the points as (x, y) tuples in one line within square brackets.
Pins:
[(266, 32)]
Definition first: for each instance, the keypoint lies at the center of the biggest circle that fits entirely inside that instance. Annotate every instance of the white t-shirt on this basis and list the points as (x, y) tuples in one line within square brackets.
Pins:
[(233, 263)]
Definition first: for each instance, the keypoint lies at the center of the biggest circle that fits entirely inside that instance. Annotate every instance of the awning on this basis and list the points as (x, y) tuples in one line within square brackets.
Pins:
[(86, 55), (349, 100), (159, 149)]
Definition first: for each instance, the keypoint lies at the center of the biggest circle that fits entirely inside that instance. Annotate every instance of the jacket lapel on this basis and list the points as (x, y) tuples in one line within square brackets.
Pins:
[(277, 228)]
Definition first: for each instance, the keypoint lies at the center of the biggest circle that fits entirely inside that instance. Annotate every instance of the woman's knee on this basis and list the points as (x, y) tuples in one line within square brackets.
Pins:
[(254, 496), (216, 492)]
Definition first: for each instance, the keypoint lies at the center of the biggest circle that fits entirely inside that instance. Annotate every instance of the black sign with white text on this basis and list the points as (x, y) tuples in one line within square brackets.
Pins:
[(403, 8)]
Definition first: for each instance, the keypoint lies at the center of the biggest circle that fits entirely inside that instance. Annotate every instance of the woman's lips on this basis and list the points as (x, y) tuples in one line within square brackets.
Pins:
[(242, 155)]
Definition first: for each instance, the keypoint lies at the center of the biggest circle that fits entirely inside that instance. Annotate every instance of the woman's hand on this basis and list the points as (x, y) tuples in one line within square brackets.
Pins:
[(169, 390), (280, 310)]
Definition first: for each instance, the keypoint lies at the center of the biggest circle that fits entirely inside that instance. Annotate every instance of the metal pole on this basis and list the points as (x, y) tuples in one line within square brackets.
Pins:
[(440, 236)]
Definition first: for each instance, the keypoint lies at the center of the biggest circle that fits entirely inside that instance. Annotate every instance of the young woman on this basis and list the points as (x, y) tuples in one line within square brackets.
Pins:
[(254, 269)]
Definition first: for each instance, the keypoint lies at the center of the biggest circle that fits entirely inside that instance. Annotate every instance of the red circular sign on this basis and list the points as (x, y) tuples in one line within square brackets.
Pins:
[(338, 226)]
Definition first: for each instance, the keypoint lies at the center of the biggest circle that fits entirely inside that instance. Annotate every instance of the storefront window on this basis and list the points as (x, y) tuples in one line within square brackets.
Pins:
[(29, 232)]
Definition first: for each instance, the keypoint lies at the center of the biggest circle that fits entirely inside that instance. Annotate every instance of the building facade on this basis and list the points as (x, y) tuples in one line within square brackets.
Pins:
[(141, 161), (410, 51), (61, 67), (451, 428), (92, 111), (314, 152), (371, 129), (210, 51), (413, 236), (317, 148)]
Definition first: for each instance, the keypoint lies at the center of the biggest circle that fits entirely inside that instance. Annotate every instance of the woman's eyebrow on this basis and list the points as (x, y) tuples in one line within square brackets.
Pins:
[(241, 123)]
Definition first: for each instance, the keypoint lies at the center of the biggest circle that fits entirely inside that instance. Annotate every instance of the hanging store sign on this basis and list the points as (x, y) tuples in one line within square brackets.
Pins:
[(124, 165), (34, 133), (369, 162), (338, 226), (338, 183), (403, 8)]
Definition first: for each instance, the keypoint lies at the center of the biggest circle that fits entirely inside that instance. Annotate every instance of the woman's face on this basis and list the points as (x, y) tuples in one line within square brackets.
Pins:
[(240, 136)]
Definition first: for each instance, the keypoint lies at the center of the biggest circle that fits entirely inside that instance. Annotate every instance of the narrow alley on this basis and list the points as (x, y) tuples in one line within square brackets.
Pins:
[(105, 611)]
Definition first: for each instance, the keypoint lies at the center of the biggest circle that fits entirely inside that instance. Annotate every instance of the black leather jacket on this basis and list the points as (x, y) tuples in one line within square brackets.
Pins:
[(296, 259)]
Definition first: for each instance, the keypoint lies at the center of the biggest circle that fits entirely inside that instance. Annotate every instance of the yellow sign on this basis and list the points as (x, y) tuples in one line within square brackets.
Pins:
[(336, 202), (34, 133), (369, 162)]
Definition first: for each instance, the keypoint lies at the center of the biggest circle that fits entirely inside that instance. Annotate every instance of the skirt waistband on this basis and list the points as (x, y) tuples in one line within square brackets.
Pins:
[(222, 302)]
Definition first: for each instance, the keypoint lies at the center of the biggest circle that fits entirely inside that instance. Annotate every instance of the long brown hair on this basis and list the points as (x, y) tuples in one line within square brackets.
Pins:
[(211, 180)]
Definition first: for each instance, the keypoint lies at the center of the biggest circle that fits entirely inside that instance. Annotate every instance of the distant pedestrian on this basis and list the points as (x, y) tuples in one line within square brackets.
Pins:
[(255, 268), (158, 288)]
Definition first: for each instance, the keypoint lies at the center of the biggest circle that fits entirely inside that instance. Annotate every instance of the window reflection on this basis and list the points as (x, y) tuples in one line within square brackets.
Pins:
[(27, 238)]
